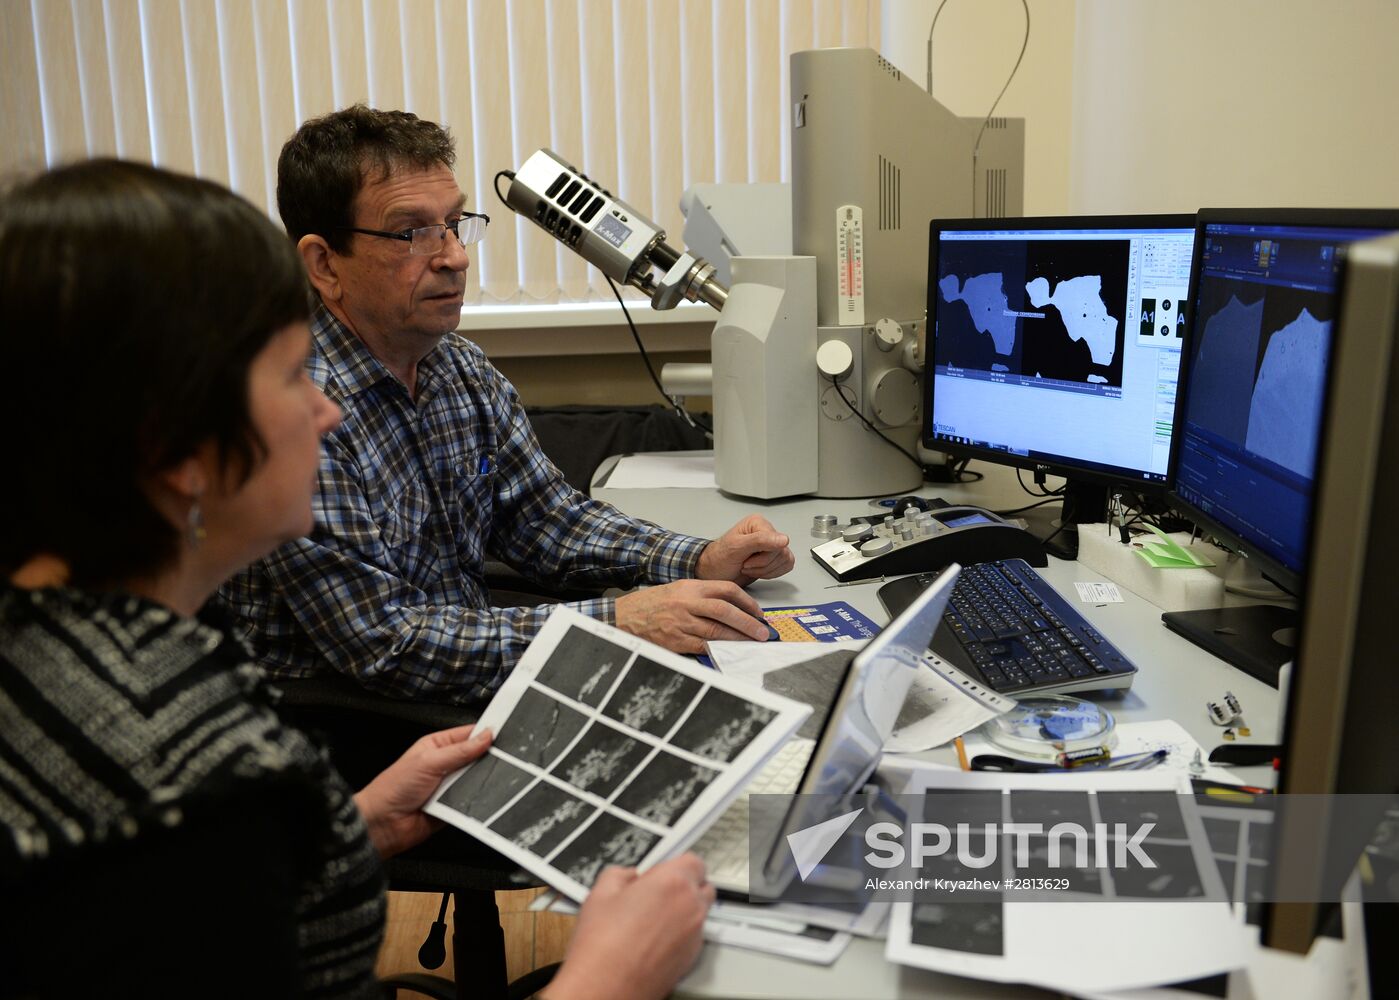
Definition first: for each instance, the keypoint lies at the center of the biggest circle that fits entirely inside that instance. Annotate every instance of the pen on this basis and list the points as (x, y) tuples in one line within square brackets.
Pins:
[(854, 583), (961, 753)]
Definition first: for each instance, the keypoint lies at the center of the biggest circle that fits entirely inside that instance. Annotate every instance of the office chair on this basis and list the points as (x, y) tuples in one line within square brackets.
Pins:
[(364, 733)]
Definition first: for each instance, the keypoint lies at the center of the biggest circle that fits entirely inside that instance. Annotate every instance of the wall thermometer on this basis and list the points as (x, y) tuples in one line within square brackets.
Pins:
[(850, 257)]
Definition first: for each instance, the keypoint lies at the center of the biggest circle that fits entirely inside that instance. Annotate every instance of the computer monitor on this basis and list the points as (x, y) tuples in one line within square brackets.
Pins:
[(1053, 345), (1339, 734), (1264, 297)]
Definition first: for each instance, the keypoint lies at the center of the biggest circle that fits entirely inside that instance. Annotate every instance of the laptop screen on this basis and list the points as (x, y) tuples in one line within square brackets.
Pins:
[(867, 705)]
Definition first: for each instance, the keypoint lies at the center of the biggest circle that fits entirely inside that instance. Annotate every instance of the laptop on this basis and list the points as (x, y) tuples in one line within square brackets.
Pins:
[(842, 756)]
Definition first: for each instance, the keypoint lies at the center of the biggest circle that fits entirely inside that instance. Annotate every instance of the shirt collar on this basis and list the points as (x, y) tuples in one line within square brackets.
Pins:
[(352, 365)]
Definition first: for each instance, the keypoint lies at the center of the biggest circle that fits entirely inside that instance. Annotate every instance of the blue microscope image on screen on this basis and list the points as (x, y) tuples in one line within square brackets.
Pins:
[(1260, 369), (1264, 314), (1051, 312)]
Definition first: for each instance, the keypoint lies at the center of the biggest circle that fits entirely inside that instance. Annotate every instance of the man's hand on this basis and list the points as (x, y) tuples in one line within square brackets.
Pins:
[(683, 616), (751, 550), (637, 934), (392, 803)]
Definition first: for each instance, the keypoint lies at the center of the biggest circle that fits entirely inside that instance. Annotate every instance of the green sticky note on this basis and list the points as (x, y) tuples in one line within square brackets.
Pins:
[(1157, 558), (1169, 554)]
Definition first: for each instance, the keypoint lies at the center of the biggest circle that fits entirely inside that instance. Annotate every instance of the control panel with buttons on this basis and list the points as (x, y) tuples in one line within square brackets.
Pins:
[(921, 541)]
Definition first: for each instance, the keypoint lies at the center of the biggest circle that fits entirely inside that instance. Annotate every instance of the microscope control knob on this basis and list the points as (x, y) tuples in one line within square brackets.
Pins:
[(857, 533), (835, 359), (888, 334), (876, 547)]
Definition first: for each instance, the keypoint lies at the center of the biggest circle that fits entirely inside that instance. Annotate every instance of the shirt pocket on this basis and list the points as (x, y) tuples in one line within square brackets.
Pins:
[(474, 487)]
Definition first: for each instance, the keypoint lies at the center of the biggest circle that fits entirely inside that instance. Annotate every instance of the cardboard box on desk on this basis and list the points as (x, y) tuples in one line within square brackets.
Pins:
[(1169, 589)]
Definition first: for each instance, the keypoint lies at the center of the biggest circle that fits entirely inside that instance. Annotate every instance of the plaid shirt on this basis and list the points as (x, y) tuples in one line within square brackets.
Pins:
[(413, 496)]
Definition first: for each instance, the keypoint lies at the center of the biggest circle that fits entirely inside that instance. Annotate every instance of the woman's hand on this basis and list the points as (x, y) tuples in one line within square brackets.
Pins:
[(637, 934), (392, 803)]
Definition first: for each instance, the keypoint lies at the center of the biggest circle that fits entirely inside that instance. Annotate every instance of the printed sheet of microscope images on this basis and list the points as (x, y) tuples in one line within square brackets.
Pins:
[(609, 750)]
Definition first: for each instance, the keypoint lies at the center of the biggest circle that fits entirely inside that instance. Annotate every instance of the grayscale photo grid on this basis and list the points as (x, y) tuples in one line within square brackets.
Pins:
[(601, 755), (974, 921)]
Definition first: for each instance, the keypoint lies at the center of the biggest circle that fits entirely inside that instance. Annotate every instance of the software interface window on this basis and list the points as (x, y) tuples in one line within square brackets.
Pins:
[(1061, 344), (1252, 411)]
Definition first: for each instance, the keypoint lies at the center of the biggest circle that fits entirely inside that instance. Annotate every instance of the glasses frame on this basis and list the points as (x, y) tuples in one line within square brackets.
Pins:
[(411, 237)]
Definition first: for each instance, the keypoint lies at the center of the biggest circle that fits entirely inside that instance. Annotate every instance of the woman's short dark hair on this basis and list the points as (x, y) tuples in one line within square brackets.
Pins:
[(323, 166), (132, 303)]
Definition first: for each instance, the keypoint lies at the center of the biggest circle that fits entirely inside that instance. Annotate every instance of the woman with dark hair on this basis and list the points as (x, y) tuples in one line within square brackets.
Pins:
[(160, 830)]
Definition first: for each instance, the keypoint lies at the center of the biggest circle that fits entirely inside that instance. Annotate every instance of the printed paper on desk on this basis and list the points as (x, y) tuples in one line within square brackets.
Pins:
[(1098, 592), (609, 750), (942, 704), (804, 942), (1120, 942), (662, 471), (833, 621)]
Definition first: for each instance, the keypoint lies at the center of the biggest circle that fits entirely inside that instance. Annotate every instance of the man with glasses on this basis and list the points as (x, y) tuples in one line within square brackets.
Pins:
[(434, 467)]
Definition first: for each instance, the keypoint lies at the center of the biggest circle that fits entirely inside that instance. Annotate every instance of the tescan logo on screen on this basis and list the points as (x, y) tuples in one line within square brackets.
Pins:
[(976, 847)]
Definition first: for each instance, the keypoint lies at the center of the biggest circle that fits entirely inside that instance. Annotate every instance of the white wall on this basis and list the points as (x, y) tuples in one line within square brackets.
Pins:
[(1174, 105), (1252, 102), (974, 48)]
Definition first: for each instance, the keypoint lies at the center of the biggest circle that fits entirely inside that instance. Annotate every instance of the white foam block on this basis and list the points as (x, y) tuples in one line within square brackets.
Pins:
[(1168, 589)]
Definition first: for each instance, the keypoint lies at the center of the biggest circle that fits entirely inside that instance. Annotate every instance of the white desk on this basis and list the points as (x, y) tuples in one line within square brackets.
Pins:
[(1174, 681)]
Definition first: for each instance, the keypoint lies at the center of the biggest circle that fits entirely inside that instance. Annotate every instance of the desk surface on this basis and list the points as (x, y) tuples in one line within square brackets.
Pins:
[(1175, 678)]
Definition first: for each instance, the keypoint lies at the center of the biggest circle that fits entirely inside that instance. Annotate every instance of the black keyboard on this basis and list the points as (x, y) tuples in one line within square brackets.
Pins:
[(1007, 627)]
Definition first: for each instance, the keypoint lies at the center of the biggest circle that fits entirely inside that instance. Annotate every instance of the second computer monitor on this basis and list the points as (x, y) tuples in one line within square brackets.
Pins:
[(1264, 302), (1054, 344)]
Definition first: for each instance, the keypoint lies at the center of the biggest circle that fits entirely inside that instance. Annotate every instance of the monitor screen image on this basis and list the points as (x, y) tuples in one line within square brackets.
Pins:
[(1253, 387), (1055, 344)]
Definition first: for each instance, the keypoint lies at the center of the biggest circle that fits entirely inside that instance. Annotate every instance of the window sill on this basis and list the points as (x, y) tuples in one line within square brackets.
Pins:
[(578, 314), (584, 328)]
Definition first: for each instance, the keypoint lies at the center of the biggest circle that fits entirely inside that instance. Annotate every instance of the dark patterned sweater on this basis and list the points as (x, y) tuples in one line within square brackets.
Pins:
[(161, 831)]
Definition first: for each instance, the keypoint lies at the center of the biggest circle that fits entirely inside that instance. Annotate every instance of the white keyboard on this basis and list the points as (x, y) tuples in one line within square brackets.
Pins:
[(724, 846)]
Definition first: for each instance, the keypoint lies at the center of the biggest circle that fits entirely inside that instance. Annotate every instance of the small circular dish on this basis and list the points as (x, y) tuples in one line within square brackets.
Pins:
[(1042, 728)]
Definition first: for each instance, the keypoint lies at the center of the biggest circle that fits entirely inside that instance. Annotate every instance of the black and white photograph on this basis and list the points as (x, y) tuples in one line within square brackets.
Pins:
[(1029, 805), (968, 924), (665, 788), (583, 666), (539, 729), (587, 742), (1174, 877), (1084, 879), (960, 862), (1135, 808), (542, 819), (608, 840), (601, 760), (975, 807), (485, 787), (721, 726), (651, 697)]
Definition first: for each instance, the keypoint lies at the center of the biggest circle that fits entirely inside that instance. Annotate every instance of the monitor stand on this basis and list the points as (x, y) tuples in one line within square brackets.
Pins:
[(1084, 503), (1257, 639)]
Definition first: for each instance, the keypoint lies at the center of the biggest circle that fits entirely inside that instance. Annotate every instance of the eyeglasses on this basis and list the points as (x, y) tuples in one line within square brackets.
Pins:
[(430, 240)]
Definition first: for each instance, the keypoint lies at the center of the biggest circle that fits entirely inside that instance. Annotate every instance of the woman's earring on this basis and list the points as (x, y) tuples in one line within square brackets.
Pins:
[(194, 525)]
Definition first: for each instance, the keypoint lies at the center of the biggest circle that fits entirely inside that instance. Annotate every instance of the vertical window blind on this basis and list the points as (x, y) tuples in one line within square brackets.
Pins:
[(647, 96)]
